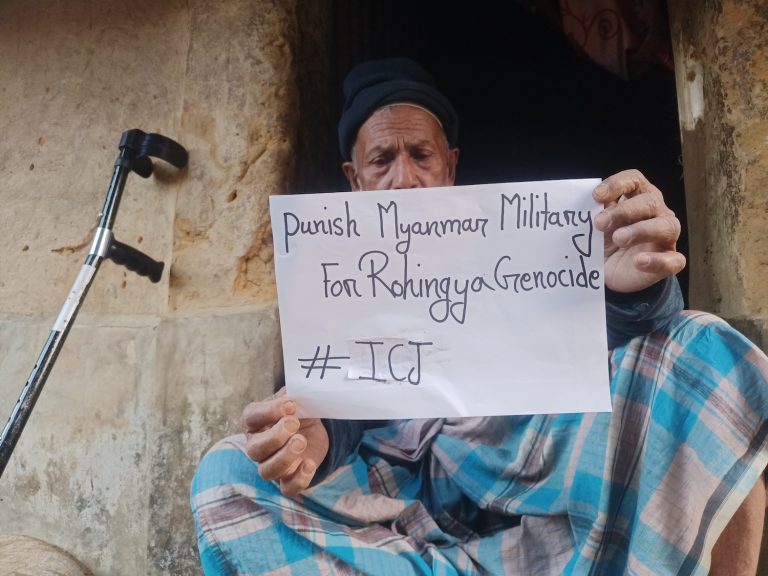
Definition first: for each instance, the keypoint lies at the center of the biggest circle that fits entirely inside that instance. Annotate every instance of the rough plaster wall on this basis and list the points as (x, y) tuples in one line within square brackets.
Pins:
[(78, 477), (239, 114), (73, 75), (151, 374), (721, 58)]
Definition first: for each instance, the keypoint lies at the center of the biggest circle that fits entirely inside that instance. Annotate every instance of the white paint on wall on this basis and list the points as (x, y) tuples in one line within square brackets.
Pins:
[(690, 87)]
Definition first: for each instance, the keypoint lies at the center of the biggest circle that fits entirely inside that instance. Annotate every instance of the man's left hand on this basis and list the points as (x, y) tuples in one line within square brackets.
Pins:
[(641, 232)]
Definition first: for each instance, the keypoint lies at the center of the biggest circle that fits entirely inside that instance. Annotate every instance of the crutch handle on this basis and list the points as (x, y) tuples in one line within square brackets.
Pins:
[(144, 145), (135, 260)]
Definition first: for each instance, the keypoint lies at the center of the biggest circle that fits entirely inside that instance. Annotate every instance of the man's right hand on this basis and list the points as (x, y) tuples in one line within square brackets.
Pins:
[(286, 448)]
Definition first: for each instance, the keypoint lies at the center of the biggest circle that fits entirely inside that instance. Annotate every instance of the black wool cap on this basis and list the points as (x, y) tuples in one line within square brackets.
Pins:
[(376, 83)]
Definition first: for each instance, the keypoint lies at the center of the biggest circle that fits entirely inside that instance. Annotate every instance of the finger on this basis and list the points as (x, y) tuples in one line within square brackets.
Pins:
[(626, 183), (660, 264), (663, 230), (285, 461), (262, 445), (636, 209), (300, 479), (317, 444), (260, 415)]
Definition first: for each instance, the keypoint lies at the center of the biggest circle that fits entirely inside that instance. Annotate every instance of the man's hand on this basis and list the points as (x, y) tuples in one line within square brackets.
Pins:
[(286, 448), (640, 232)]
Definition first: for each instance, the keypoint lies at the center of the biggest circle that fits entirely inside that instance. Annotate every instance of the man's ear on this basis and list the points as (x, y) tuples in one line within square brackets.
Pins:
[(453, 161), (351, 174)]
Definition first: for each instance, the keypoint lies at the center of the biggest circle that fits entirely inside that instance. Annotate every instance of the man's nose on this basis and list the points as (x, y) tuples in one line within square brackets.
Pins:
[(404, 174)]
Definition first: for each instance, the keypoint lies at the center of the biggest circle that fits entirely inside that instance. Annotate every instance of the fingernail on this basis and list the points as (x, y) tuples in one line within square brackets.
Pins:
[(297, 445), (643, 260), (291, 425), (603, 221), (623, 236), (308, 467), (289, 407), (599, 191)]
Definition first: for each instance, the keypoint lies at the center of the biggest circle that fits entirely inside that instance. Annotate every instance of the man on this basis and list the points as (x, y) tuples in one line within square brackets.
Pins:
[(647, 488)]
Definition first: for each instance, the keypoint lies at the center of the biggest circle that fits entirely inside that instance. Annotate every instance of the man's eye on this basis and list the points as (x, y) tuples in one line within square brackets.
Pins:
[(420, 154), (380, 161)]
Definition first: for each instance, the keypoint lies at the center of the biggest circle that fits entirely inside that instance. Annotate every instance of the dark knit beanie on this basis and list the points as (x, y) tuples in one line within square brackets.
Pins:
[(376, 83)]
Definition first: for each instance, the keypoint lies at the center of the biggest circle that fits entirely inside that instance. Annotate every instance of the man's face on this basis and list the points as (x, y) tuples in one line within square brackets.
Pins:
[(400, 147)]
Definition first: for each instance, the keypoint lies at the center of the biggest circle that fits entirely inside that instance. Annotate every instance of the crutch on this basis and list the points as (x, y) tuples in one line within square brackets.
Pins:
[(136, 147)]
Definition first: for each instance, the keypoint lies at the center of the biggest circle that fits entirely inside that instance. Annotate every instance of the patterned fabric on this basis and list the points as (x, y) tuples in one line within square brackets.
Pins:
[(626, 37), (627, 316), (646, 489)]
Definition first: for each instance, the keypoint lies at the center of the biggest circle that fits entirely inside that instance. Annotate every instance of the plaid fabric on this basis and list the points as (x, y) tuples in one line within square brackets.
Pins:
[(646, 489)]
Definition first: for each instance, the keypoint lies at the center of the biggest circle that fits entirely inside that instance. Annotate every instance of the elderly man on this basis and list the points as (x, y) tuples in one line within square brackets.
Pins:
[(648, 488)]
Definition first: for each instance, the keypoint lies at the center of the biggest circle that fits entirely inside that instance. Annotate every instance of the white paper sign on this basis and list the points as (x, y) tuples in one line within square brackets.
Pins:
[(463, 301)]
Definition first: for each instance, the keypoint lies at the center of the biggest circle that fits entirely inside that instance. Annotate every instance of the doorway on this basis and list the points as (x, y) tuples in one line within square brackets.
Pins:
[(531, 105)]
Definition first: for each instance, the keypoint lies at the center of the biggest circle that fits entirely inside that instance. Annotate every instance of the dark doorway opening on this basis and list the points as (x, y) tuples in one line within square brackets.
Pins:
[(531, 106)]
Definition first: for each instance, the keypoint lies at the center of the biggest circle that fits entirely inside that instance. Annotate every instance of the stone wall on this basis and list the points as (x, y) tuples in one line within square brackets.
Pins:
[(721, 61), (721, 66), (151, 374)]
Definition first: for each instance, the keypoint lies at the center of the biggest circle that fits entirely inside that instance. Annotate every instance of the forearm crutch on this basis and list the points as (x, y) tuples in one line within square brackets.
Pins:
[(136, 147)]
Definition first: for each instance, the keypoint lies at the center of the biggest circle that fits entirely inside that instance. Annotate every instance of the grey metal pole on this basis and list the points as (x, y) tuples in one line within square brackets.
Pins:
[(135, 148)]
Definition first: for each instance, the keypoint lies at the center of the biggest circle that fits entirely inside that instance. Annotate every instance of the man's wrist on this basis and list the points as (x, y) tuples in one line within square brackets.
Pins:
[(650, 294)]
